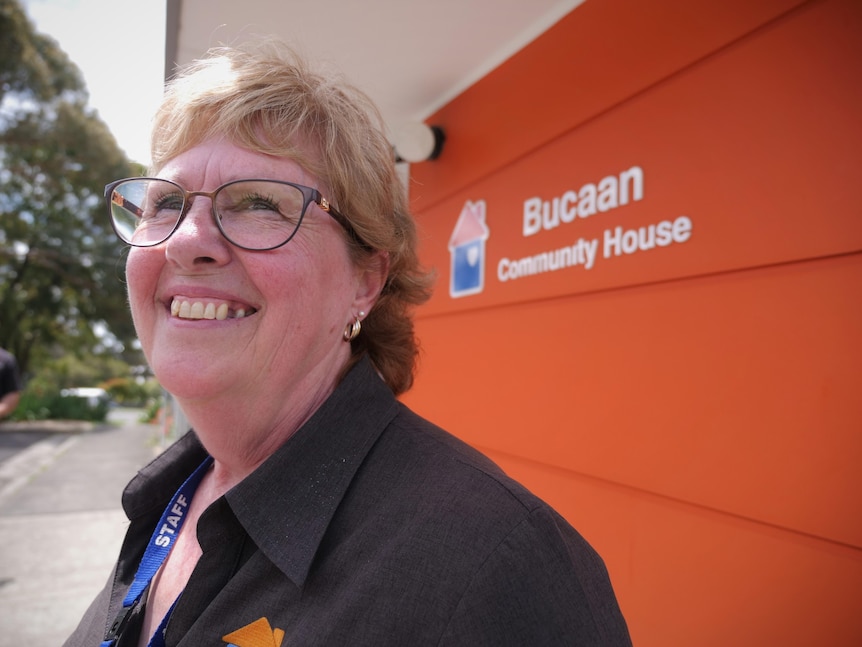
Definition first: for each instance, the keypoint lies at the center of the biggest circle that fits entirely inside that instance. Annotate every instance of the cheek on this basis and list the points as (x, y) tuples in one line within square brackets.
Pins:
[(142, 271), (309, 290)]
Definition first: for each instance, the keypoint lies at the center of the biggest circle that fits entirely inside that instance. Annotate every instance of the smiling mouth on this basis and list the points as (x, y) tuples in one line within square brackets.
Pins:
[(190, 309)]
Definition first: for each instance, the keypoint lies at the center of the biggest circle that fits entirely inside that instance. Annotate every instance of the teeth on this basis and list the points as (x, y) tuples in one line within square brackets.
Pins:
[(199, 310)]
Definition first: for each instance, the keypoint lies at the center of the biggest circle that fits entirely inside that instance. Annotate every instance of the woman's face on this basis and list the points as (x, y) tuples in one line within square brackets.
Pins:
[(281, 343)]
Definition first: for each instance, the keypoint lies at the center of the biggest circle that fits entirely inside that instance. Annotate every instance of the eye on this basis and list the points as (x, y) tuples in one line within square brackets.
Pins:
[(161, 205), (259, 202), (168, 202)]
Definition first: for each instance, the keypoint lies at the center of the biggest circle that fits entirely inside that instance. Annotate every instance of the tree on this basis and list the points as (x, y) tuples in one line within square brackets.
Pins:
[(61, 267), (31, 64)]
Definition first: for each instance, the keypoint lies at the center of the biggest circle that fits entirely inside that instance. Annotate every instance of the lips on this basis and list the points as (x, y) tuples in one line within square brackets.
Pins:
[(187, 308)]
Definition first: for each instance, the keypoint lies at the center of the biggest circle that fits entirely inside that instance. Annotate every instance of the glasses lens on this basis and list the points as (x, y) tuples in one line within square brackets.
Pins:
[(144, 212), (259, 214)]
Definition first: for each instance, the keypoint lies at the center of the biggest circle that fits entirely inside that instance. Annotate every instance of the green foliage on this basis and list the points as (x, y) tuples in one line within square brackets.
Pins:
[(32, 64), (132, 392), (69, 372), (42, 397), (62, 273), (42, 405), (153, 409)]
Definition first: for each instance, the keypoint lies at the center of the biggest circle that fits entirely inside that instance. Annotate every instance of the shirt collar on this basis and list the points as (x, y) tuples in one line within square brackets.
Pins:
[(287, 503), (154, 485)]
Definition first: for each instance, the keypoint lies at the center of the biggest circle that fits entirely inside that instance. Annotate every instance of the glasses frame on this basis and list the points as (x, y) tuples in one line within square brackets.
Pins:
[(310, 196)]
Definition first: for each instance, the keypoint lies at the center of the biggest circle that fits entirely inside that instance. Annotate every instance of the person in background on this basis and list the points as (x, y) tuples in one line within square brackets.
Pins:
[(10, 384), (272, 277)]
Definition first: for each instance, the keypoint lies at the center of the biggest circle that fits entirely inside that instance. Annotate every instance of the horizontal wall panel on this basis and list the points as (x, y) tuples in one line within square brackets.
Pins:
[(689, 576), (600, 54), (738, 391)]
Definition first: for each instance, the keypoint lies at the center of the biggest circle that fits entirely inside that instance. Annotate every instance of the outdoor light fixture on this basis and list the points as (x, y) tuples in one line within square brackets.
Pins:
[(418, 142)]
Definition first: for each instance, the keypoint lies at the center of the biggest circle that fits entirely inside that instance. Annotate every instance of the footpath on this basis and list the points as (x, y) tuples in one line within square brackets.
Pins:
[(61, 522)]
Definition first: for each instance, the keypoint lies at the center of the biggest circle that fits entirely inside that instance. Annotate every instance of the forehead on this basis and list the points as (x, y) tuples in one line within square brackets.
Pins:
[(216, 161)]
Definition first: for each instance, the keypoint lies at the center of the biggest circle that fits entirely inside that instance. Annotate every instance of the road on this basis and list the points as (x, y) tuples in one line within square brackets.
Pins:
[(61, 524)]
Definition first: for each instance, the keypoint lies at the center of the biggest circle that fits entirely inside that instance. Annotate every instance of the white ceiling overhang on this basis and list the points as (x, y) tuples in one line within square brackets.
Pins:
[(411, 57)]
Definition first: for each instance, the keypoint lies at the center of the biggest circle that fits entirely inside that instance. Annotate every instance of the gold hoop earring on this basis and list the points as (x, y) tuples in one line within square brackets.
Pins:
[(352, 330)]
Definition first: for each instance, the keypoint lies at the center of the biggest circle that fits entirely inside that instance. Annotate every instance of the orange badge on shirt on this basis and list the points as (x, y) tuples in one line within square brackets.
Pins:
[(256, 634)]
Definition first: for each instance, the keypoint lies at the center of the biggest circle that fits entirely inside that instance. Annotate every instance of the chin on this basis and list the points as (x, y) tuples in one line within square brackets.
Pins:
[(190, 376)]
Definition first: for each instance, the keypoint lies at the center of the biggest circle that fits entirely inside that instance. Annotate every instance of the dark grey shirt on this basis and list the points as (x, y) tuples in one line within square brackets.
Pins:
[(370, 526)]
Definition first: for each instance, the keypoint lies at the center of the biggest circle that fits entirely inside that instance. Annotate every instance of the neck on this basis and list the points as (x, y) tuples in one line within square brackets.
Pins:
[(240, 441)]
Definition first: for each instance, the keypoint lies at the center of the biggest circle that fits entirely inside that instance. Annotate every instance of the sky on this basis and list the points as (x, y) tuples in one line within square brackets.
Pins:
[(106, 38)]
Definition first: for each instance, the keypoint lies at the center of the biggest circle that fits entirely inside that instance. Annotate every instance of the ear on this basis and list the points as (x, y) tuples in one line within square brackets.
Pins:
[(371, 277)]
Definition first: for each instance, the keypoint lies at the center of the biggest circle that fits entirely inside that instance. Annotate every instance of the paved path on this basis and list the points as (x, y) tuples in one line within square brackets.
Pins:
[(61, 524)]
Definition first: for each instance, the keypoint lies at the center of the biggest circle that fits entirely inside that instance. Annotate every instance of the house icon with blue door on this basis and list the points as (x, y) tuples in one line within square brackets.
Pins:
[(467, 251)]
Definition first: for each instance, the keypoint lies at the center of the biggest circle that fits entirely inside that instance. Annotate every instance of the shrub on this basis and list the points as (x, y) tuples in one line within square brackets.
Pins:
[(51, 405), (152, 410)]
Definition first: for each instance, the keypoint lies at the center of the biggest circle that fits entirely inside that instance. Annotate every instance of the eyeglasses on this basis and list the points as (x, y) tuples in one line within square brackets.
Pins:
[(257, 215)]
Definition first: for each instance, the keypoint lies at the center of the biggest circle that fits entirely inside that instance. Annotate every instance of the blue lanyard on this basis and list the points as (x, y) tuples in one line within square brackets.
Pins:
[(164, 536)]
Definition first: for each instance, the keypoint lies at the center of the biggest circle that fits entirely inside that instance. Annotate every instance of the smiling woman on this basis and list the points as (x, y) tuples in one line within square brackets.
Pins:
[(271, 276)]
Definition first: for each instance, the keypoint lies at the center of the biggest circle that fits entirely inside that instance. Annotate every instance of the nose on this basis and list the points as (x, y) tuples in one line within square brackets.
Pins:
[(197, 240)]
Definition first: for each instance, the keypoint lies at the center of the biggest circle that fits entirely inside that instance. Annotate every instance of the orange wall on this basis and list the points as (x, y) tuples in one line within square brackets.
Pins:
[(692, 409)]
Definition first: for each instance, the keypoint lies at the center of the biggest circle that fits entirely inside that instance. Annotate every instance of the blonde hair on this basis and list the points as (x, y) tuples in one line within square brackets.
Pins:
[(263, 97)]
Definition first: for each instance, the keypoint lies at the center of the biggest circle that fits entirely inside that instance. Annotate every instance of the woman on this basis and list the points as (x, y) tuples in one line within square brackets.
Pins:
[(271, 276)]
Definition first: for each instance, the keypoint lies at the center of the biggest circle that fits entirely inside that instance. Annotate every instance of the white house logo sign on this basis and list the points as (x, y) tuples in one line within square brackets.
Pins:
[(467, 251)]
